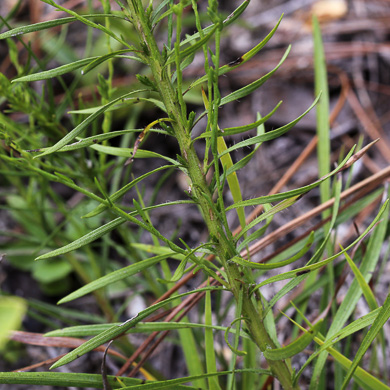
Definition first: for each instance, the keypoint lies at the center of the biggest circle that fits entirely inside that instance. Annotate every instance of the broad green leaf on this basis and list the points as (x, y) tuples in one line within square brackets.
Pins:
[(116, 331), (49, 74), (82, 126), (115, 276), (295, 347), (51, 23), (377, 326), (244, 58), (12, 310), (253, 265), (248, 89)]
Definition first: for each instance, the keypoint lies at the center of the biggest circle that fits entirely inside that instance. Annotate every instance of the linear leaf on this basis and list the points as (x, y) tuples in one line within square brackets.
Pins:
[(304, 270), (173, 382), (142, 327), (270, 135), (295, 347), (193, 48), (116, 331), (289, 194), (346, 308), (253, 265), (244, 91), (115, 276), (367, 292), (120, 193), (381, 319), (128, 152), (244, 58), (82, 126), (49, 24), (99, 60), (350, 329), (128, 101), (48, 74), (87, 239)]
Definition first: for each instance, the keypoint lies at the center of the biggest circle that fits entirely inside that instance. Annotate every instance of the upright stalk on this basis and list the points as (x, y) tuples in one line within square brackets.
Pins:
[(251, 309)]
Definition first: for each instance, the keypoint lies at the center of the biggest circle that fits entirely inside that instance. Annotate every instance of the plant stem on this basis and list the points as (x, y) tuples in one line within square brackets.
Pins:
[(201, 190)]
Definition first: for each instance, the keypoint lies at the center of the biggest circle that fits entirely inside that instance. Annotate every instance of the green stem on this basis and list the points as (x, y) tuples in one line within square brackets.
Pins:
[(201, 190)]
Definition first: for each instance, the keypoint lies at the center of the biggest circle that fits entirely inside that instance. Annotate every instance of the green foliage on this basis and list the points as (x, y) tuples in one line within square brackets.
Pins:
[(68, 177)]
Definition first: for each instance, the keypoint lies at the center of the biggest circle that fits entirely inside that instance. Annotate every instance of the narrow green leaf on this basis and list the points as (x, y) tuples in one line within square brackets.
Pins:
[(292, 193), (365, 379), (295, 347), (128, 152), (120, 193), (66, 379), (126, 102), (116, 331), (115, 276), (102, 230), (244, 91), (305, 270), (376, 327), (51, 23), (87, 239), (253, 265), (211, 362), (270, 135), (367, 292), (82, 126), (99, 60), (172, 382), (240, 129), (322, 113), (348, 304), (49, 74), (350, 329), (272, 211), (193, 48), (142, 327), (244, 58)]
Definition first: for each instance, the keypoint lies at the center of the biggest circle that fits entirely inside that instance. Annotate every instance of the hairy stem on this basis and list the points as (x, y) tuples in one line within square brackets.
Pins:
[(201, 191)]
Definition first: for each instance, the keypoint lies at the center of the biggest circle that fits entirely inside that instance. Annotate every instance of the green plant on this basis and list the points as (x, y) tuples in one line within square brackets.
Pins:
[(83, 165)]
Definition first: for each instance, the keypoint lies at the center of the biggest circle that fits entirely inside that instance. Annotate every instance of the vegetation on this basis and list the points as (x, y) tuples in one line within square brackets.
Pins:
[(67, 177)]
